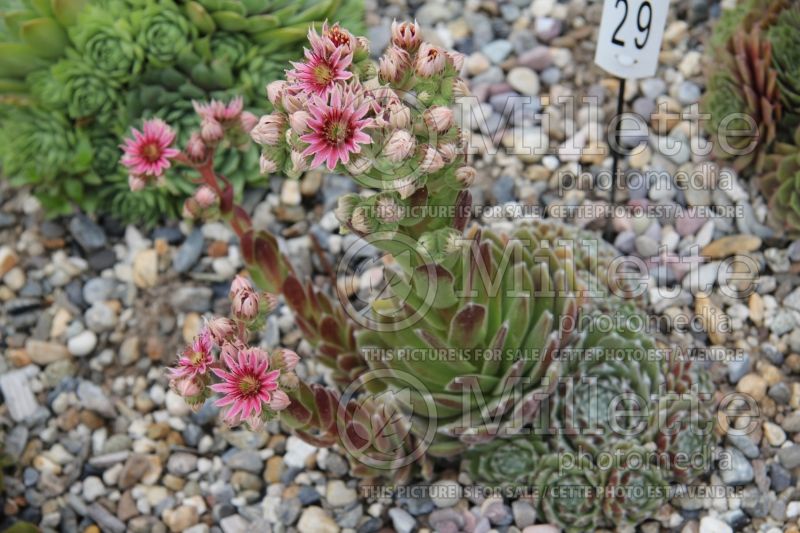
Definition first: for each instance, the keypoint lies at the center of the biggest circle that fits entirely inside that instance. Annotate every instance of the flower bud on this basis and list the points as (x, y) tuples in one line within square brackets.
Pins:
[(457, 59), (399, 116), (267, 165), (239, 284), (248, 121), (362, 46), (269, 129), (196, 147), (299, 121), (394, 64), (346, 204), (388, 210), (439, 118), (460, 88), (292, 102), (280, 400), (275, 91), (269, 302), (186, 387), (431, 160), (466, 175), (405, 186), (399, 146), (448, 151), (430, 60), (406, 35), (361, 221), (288, 381), (136, 183), (300, 163), (220, 328), (284, 359), (358, 165), (245, 305), (211, 130), (205, 197)]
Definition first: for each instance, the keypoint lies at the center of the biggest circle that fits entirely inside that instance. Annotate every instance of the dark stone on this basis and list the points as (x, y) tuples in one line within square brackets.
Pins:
[(189, 252), (74, 291), (89, 235), (371, 526), (102, 259), (171, 234), (308, 495), (51, 229), (780, 478)]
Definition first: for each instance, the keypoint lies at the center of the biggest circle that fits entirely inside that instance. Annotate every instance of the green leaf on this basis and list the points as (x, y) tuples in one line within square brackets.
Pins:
[(17, 60), (67, 11), (230, 20), (45, 36)]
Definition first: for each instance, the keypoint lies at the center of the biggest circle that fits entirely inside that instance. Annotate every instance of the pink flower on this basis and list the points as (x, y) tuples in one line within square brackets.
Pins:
[(219, 111), (269, 130), (196, 358), (406, 35), (335, 37), (248, 384), (149, 152), (399, 146), (439, 118), (322, 69), (430, 60), (186, 387), (280, 401), (337, 128)]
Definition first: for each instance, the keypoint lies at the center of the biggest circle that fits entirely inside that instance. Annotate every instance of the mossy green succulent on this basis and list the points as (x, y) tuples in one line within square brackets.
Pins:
[(101, 66)]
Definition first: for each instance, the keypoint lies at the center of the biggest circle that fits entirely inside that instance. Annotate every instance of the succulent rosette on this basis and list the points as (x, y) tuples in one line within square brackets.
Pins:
[(781, 184), (566, 491), (106, 40), (633, 488), (506, 462), (162, 31), (85, 94)]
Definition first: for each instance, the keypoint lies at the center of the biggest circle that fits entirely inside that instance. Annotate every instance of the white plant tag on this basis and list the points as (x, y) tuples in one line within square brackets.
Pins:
[(630, 37)]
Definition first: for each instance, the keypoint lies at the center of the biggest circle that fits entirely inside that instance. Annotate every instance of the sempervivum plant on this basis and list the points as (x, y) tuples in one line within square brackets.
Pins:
[(104, 65), (628, 419), (468, 345), (781, 184), (743, 96)]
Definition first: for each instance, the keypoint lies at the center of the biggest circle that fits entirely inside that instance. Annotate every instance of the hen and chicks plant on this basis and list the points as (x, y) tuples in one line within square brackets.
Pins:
[(483, 339)]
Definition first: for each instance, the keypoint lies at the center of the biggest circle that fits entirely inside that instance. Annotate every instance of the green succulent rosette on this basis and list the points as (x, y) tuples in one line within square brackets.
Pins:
[(785, 39), (162, 31), (568, 491), (506, 462), (105, 39), (87, 95), (633, 488)]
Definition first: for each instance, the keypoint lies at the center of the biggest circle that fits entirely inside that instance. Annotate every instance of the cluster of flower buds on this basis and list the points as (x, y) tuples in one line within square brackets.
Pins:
[(392, 128), (253, 384), (150, 152)]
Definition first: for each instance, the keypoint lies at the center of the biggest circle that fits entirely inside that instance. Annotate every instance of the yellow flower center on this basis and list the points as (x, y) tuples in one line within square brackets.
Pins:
[(197, 357), (249, 385), (323, 74), (336, 132), (151, 152)]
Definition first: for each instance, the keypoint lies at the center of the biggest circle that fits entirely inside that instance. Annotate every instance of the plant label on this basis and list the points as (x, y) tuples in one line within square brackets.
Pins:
[(630, 37)]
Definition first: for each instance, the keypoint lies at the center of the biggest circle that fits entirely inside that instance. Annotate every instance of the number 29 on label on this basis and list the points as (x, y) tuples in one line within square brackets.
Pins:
[(630, 37)]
